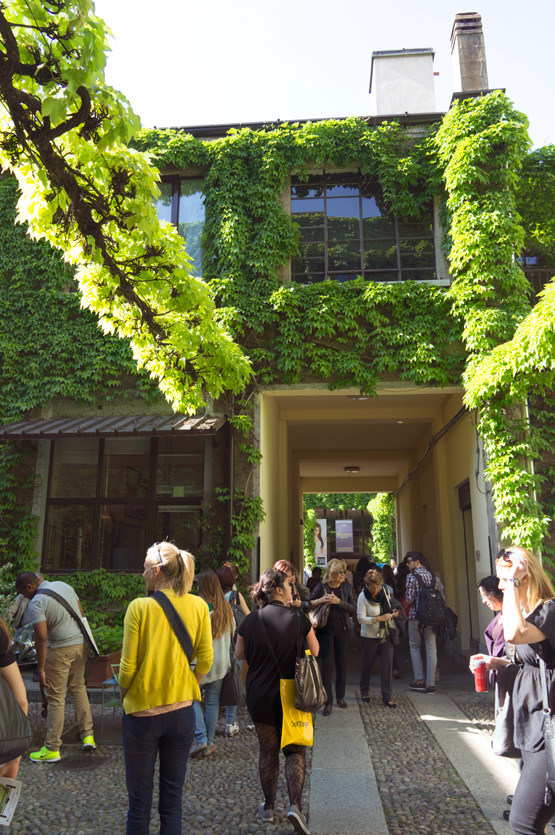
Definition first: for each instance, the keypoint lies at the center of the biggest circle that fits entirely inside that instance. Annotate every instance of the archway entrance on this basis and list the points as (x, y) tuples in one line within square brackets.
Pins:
[(417, 443)]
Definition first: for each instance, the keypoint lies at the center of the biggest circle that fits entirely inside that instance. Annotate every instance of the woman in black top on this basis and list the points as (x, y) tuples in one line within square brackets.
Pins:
[(272, 594), (529, 627), (11, 675), (334, 636)]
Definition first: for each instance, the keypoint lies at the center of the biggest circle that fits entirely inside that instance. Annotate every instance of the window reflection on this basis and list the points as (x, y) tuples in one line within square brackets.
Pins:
[(346, 230)]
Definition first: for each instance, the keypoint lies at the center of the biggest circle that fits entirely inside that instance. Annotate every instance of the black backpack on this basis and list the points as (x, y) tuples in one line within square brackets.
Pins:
[(238, 614), (430, 608)]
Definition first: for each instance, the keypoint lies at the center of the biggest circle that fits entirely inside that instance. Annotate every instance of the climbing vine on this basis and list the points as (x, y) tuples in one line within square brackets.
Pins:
[(382, 508), (356, 333)]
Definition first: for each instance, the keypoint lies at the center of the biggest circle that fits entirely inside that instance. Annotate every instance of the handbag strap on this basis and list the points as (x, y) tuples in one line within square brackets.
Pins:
[(76, 617), (267, 639), (545, 693), (176, 624)]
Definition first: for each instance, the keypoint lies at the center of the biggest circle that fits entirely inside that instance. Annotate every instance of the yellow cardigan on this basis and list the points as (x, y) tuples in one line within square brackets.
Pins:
[(153, 665)]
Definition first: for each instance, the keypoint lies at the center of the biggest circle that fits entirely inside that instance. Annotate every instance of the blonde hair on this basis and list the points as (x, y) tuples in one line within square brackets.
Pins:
[(222, 614), (178, 566), (538, 586), (332, 567), (4, 628)]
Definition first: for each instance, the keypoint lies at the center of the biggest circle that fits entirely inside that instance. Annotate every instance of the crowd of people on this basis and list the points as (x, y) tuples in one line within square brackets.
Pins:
[(178, 647)]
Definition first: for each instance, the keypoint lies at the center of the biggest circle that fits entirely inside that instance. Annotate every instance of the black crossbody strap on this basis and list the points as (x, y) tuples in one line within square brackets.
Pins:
[(266, 638), (176, 624), (75, 615)]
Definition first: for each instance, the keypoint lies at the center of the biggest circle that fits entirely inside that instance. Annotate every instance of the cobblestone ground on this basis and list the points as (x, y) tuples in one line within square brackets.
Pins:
[(420, 790), (85, 793)]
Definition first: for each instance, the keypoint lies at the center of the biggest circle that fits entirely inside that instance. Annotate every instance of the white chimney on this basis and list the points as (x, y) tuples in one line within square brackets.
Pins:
[(402, 81)]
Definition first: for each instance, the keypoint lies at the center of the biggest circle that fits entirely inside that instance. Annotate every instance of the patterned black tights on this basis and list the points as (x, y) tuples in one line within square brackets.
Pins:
[(269, 738)]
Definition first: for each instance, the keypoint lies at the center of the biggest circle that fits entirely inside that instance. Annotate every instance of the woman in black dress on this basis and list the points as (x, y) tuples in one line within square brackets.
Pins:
[(11, 675), (272, 594), (529, 628), (334, 636)]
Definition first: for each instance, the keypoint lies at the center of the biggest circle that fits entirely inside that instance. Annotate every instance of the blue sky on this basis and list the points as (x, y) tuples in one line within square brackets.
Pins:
[(198, 62)]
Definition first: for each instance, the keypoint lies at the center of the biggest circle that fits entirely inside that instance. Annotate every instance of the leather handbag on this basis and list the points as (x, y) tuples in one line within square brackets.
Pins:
[(15, 729), (232, 685), (548, 729), (309, 688), (319, 615)]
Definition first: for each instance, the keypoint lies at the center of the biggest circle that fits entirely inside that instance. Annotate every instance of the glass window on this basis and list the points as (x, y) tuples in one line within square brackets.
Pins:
[(190, 223), (74, 469), (148, 488), (187, 195), (346, 230), (122, 536), (68, 537), (164, 202), (178, 523), (125, 468)]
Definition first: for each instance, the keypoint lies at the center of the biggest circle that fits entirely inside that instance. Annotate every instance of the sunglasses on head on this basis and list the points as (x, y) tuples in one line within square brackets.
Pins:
[(155, 545), (506, 555)]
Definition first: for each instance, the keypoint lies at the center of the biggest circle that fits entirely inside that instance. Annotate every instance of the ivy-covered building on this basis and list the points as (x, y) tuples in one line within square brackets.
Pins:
[(367, 264)]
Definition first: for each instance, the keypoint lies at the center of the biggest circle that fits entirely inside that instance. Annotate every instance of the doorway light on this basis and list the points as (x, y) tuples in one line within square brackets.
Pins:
[(352, 469)]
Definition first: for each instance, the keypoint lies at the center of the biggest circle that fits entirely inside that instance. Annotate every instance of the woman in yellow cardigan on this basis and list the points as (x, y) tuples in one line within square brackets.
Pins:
[(158, 687)]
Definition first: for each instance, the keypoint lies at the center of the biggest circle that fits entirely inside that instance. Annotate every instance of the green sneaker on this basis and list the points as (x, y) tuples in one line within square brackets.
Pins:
[(45, 756), (88, 743)]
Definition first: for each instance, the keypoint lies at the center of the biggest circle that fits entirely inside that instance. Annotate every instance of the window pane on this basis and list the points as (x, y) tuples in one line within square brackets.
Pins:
[(164, 202), (416, 229), (340, 228), (122, 536), (344, 256), (74, 469), (180, 524), (378, 227), (341, 189), (309, 250), (417, 253), (191, 220), (341, 277), (312, 233), (419, 275), (308, 265), (378, 254), (343, 207), (307, 190), (180, 475), (125, 468), (310, 207), (68, 537)]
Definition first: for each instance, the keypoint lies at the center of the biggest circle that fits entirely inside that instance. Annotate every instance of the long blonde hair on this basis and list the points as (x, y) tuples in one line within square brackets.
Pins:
[(538, 586), (332, 567), (178, 566), (222, 614)]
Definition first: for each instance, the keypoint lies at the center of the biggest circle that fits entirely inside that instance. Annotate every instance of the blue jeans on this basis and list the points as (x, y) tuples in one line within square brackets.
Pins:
[(415, 644), (205, 725), (171, 734)]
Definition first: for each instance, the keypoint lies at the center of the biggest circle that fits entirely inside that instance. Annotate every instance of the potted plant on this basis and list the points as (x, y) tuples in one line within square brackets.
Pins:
[(108, 640)]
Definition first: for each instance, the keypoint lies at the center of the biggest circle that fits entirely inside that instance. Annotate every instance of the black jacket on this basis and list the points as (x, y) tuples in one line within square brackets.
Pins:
[(346, 604)]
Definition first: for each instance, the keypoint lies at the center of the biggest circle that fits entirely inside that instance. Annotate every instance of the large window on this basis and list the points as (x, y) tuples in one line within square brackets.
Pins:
[(108, 500), (345, 232), (182, 203)]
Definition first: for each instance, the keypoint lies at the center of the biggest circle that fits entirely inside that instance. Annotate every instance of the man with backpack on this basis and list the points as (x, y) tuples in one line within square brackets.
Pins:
[(427, 611)]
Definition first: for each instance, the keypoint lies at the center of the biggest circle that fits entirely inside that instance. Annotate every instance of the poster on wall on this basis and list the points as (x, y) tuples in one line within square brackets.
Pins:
[(320, 542), (344, 536)]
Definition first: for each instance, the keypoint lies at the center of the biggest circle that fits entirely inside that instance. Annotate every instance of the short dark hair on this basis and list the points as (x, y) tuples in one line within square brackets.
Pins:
[(26, 578), (491, 586), (415, 556)]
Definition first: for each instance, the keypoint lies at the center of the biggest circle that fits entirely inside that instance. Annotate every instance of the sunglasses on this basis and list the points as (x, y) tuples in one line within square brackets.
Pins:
[(155, 545), (506, 555)]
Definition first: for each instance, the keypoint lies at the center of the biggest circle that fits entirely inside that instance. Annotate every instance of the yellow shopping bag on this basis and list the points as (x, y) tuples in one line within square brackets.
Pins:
[(297, 724)]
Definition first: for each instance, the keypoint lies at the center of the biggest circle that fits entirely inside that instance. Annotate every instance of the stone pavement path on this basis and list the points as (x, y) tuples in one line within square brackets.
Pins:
[(421, 790)]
